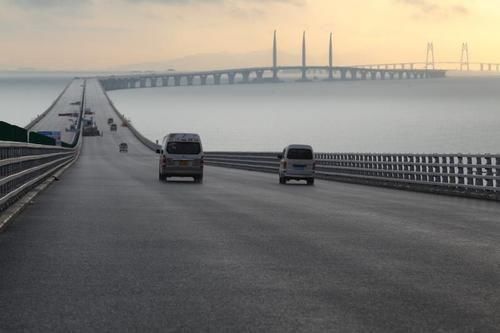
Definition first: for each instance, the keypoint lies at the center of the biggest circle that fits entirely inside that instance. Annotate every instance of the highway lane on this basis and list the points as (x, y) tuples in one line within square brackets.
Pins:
[(110, 248), (53, 122)]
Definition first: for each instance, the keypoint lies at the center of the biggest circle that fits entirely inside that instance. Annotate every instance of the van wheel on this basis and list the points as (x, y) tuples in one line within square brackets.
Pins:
[(310, 181), (282, 180), (161, 177), (198, 179)]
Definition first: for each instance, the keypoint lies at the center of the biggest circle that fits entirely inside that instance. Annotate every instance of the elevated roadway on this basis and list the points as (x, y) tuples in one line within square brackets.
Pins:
[(65, 104), (110, 248)]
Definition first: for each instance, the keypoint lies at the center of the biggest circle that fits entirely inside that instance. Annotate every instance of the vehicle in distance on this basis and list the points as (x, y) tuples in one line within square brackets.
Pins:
[(110, 121), (113, 127), (297, 163), (123, 147), (181, 155)]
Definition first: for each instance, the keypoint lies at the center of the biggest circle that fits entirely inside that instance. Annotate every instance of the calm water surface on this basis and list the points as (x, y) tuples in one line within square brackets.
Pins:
[(449, 115), (25, 95), (445, 115)]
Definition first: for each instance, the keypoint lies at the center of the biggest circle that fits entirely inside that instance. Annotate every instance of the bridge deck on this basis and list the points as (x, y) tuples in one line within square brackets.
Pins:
[(53, 122), (111, 248)]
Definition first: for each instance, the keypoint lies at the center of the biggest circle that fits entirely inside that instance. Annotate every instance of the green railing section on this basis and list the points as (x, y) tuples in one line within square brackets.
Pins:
[(14, 133)]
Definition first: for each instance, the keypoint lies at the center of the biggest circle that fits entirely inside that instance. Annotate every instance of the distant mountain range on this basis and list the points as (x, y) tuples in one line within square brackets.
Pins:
[(215, 61)]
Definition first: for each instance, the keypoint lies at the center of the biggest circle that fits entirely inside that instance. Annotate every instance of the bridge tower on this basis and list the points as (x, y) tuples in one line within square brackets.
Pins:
[(304, 60), (330, 58), (275, 58), (429, 62), (464, 58)]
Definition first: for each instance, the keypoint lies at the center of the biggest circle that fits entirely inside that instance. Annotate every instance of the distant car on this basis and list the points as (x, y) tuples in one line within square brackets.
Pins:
[(113, 127), (297, 163), (110, 121), (181, 155), (123, 147)]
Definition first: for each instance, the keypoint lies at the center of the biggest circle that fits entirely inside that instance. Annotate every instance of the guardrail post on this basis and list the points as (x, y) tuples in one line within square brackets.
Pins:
[(418, 167), (451, 170), (470, 172), (436, 169), (445, 168), (411, 168), (497, 176), (461, 176), (479, 171), (489, 171)]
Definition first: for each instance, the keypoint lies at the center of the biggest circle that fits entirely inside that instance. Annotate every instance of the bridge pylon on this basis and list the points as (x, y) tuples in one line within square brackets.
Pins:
[(430, 61), (275, 57), (464, 58), (304, 59), (330, 58)]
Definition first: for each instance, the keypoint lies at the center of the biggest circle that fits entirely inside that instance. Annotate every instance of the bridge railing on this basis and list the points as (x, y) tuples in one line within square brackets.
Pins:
[(145, 141), (23, 166), (476, 175)]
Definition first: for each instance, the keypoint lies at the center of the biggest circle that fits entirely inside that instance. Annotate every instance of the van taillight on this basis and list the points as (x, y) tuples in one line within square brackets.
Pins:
[(314, 165), (284, 164), (201, 161), (164, 161)]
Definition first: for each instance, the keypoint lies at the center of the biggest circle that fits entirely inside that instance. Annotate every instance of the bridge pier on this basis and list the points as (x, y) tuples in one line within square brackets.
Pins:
[(203, 79), (363, 75), (230, 77), (343, 74), (164, 81), (260, 75), (217, 78), (246, 77), (153, 82), (142, 83), (177, 80), (189, 80)]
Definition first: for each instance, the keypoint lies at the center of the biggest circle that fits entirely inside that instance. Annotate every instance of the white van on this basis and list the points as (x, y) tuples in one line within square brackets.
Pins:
[(297, 163), (181, 155)]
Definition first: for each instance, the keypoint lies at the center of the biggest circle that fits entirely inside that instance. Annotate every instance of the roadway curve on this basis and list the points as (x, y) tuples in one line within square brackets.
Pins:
[(110, 248)]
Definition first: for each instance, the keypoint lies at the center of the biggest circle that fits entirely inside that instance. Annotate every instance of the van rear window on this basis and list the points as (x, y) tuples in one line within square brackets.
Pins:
[(300, 154), (184, 148)]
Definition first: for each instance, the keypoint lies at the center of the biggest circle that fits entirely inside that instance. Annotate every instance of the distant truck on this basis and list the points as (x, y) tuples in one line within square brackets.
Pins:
[(91, 130), (110, 121), (113, 128)]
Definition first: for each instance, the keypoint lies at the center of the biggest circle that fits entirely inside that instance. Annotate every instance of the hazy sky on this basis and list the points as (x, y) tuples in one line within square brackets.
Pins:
[(98, 34)]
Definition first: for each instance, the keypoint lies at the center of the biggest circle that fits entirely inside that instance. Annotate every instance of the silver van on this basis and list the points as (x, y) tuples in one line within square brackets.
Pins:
[(297, 163), (181, 155)]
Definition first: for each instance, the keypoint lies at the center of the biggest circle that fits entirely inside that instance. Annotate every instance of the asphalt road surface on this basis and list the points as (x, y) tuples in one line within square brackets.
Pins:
[(111, 248)]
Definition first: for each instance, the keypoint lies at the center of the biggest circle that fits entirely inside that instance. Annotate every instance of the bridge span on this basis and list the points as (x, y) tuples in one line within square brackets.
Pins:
[(262, 75), (110, 248)]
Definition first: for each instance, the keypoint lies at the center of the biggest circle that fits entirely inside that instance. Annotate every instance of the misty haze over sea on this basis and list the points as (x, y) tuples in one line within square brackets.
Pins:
[(443, 115)]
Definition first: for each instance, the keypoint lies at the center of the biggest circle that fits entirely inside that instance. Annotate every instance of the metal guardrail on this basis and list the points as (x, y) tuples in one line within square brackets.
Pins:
[(145, 141), (23, 166), (472, 175), (476, 175)]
